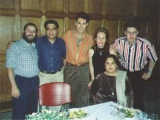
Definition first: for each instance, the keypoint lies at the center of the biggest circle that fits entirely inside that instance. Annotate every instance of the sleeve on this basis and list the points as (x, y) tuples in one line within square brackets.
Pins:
[(94, 87), (64, 37), (11, 57), (129, 94), (63, 49), (93, 92), (151, 53), (39, 51)]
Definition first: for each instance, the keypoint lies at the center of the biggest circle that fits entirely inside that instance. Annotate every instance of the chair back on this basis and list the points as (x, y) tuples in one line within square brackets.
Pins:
[(54, 94)]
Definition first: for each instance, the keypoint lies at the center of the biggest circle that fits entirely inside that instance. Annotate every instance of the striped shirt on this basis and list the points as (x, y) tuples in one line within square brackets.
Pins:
[(23, 58), (77, 55), (134, 57)]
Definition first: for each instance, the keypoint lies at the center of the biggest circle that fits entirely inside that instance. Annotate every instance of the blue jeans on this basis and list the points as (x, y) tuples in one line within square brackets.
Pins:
[(27, 102)]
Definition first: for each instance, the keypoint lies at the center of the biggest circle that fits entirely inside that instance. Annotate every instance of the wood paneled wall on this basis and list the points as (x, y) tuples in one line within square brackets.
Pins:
[(112, 14)]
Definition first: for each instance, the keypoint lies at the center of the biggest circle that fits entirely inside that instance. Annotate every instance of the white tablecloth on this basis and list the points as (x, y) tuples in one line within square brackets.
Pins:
[(100, 111)]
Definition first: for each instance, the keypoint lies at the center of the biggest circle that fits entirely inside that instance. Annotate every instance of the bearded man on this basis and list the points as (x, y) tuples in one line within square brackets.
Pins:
[(22, 69)]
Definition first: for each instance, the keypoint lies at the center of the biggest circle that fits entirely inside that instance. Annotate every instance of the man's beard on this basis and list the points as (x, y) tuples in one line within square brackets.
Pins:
[(28, 40)]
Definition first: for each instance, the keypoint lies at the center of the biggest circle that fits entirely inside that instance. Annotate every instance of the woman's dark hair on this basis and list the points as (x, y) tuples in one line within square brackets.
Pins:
[(83, 15), (51, 22), (114, 58), (104, 30), (30, 24), (132, 23)]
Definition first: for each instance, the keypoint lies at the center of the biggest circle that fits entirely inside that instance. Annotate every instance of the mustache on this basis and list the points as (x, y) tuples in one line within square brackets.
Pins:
[(30, 35)]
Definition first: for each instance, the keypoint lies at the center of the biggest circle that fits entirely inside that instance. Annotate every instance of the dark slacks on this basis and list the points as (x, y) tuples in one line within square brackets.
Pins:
[(27, 102), (138, 88), (78, 78)]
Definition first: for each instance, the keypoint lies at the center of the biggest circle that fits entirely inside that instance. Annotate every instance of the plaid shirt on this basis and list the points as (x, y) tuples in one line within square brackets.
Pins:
[(23, 58)]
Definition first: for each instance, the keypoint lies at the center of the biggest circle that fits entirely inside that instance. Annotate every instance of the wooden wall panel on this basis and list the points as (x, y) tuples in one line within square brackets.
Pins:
[(143, 25), (9, 4), (93, 25), (112, 27), (121, 24), (30, 4), (55, 5), (126, 7), (112, 7), (148, 8), (6, 32), (76, 6), (71, 24), (152, 32), (95, 6), (5, 89)]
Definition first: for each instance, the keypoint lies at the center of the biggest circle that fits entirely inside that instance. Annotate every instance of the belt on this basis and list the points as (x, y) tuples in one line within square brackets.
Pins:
[(51, 72), (77, 64)]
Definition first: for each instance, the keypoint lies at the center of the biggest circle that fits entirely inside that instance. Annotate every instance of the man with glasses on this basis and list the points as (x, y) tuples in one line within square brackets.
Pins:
[(134, 53), (22, 69), (52, 54)]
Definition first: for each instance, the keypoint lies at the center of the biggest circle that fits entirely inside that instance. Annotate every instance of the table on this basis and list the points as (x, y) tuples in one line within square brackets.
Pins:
[(100, 111)]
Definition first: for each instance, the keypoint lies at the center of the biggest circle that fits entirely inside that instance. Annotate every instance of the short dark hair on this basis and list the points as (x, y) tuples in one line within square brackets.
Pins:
[(83, 15), (132, 23), (51, 22), (30, 24)]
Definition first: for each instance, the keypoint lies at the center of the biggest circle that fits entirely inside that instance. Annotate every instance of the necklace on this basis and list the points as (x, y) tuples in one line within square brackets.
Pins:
[(112, 89), (100, 52)]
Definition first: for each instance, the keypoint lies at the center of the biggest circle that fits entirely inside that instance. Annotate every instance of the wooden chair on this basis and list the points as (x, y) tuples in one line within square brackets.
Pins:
[(54, 94)]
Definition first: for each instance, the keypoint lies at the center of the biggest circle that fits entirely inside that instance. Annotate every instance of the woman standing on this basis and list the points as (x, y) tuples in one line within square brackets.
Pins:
[(98, 52), (112, 85)]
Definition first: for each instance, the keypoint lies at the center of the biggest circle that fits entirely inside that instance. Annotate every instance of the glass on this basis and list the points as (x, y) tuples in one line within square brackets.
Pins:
[(132, 33), (140, 116), (153, 117), (120, 105), (118, 115), (64, 109), (31, 31), (144, 115)]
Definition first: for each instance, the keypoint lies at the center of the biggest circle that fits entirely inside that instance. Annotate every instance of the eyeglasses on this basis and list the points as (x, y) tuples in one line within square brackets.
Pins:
[(31, 31), (131, 33)]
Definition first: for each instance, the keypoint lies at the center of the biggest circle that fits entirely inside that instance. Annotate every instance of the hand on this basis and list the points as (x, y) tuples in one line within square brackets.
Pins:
[(112, 50), (146, 76), (89, 84), (15, 92)]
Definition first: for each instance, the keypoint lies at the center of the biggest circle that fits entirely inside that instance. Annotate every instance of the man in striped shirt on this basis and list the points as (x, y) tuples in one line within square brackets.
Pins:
[(78, 42), (134, 53)]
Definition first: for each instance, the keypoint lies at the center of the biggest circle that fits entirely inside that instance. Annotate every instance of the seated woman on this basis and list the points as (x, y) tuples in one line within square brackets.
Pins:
[(112, 85)]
